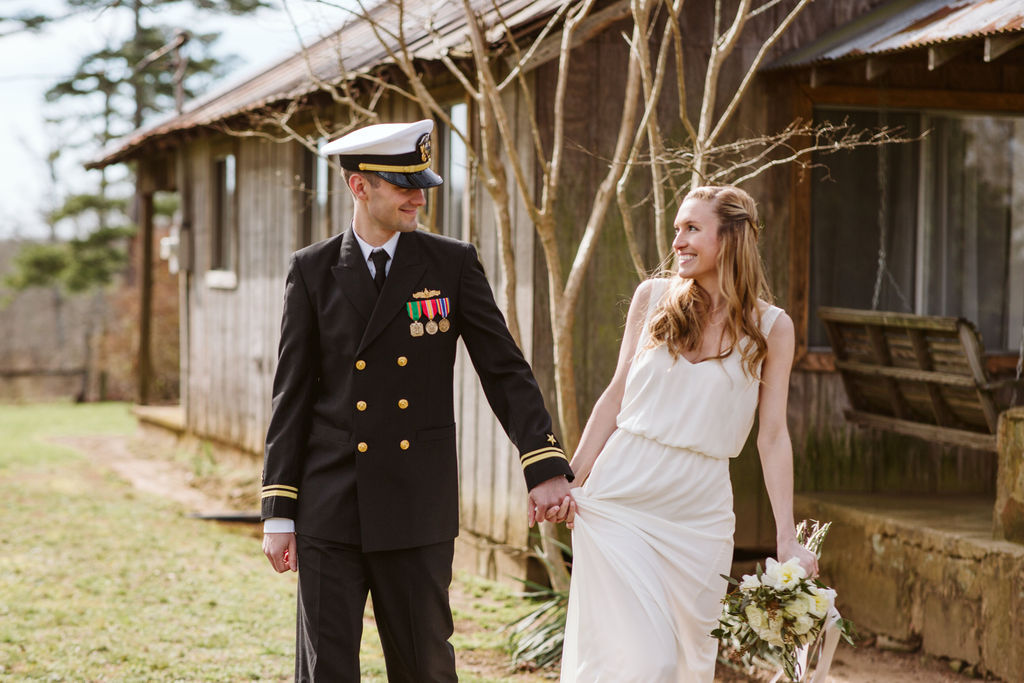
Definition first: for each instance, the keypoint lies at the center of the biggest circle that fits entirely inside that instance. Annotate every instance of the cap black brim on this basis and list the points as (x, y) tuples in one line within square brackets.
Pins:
[(420, 180)]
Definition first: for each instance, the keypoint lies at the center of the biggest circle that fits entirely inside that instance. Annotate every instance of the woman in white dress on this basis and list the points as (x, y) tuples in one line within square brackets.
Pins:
[(653, 528)]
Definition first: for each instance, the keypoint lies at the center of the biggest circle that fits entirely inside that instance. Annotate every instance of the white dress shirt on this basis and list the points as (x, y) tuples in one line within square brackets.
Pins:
[(283, 525), (390, 246)]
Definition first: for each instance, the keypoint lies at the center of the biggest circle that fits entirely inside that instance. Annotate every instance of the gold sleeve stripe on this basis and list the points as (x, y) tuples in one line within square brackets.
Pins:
[(282, 487), (547, 449), (543, 456), (283, 494)]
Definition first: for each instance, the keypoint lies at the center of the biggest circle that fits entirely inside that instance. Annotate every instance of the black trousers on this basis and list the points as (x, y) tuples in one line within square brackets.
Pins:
[(409, 589)]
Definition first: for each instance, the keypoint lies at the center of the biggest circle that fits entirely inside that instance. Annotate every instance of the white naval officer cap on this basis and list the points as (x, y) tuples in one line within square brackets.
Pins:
[(397, 152)]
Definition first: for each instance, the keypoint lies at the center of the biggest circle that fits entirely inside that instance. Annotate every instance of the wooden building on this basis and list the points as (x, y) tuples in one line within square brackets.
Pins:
[(944, 216)]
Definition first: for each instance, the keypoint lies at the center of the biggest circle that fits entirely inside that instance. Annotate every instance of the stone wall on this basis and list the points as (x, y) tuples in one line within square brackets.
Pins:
[(926, 571)]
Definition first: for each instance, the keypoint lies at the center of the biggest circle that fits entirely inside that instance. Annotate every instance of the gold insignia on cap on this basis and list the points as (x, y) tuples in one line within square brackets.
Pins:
[(395, 169), (423, 145), (426, 293)]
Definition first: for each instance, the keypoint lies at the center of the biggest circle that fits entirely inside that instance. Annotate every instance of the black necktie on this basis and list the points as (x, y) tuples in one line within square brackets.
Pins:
[(379, 258)]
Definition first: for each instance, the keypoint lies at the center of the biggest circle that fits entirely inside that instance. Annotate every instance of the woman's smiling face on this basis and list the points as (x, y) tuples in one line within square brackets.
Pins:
[(696, 241)]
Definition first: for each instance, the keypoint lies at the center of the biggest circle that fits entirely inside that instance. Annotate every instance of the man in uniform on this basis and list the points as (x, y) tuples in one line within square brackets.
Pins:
[(360, 480)]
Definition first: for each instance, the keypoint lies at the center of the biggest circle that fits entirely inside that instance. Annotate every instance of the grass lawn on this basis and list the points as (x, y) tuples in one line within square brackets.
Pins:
[(101, 582)]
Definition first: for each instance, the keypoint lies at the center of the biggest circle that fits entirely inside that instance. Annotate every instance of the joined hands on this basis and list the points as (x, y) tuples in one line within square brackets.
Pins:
[(551, 501)]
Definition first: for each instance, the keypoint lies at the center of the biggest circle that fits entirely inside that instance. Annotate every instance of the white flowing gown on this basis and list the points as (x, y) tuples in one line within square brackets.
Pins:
[(655, 525)]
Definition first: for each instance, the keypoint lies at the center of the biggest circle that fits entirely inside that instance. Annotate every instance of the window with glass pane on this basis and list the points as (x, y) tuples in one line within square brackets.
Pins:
[(222, 243), (324, 187), (314, 190), (454, 170), (933, 227)]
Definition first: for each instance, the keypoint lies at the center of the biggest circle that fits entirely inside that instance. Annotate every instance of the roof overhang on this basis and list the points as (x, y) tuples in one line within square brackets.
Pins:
[(431, 27), (943, 27)]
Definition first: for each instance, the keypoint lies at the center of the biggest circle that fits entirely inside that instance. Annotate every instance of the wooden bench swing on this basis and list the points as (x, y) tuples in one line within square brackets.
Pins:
[(918, 375)]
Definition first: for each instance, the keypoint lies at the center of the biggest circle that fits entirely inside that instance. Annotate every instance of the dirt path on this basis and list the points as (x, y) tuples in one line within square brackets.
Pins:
[(155, 468), (154, 474)]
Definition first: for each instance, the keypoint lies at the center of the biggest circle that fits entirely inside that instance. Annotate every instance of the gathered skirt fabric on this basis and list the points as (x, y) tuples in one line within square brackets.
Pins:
[(653, 536)]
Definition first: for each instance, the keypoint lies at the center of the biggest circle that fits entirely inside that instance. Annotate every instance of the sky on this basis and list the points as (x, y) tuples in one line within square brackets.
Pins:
[(30, 63)]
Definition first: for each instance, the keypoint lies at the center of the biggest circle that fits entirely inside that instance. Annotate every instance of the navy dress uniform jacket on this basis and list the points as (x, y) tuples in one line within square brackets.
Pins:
[(361, 445)]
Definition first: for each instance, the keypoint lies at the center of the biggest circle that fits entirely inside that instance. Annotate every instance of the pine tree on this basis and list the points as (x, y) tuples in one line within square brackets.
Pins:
[(112, 97)]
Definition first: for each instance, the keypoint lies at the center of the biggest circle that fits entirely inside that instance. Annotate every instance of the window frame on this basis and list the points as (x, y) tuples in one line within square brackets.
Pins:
[(313, 189), (222, 265), (804, 99), (444, 161)]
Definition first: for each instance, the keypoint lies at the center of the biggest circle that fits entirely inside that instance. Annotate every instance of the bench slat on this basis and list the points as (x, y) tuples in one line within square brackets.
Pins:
[(955, 437), (883, 357), (908, 374), (889, 318), (940, 410)]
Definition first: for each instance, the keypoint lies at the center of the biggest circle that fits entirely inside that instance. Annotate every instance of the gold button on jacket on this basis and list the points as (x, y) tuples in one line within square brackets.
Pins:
[(402, 360), (404, 445), (362, 446), (361, 405), (360, 364), (403, 404)]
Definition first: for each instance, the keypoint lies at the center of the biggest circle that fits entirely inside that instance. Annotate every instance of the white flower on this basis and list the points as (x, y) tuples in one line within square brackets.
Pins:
[(756, 618), (822, 600), (784, 575), (798, 606), (773, 634), (803, 624), (750, 582)]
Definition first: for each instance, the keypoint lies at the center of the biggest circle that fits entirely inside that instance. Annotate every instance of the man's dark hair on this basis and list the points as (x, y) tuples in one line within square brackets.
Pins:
[(372, 178)]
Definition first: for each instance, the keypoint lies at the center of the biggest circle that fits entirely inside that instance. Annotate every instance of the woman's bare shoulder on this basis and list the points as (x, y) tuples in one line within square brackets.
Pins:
[(646, 289)]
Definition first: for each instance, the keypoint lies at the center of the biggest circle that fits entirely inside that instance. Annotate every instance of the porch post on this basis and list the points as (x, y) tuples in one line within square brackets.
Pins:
[(145, 365), (1008, 518)]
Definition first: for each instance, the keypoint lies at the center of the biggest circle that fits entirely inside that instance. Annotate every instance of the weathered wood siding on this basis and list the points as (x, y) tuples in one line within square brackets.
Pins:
[(234, 332), (493, 503)]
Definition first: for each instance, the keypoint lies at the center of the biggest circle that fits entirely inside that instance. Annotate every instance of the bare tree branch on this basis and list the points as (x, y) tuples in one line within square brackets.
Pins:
[(524, 86), (523, 59), (752, 69), (741, 160), (763, 8), (554, 166), (721, 47)]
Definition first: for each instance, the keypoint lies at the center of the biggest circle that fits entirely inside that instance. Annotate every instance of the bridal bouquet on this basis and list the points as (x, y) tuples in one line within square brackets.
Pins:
[(779, 615)]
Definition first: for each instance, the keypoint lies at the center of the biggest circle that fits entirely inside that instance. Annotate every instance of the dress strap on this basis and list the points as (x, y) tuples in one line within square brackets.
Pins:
[(658, 288), (768, 319)]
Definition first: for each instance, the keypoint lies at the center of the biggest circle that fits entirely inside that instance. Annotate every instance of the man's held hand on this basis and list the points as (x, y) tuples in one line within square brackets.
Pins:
[(551, 501)]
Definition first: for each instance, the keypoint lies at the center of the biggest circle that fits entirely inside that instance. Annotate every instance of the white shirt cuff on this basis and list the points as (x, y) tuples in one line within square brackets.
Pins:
[(279, 525)]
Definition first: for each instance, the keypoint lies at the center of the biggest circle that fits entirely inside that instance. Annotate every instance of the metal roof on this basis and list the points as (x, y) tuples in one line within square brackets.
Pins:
[(429, 27), (908, 24)]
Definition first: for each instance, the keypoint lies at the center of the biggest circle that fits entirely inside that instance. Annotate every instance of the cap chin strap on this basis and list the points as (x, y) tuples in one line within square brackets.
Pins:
[(395, 169)]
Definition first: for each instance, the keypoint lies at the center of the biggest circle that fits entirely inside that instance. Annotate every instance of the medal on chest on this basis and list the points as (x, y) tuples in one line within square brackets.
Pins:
[(430, 309), (415, 311), (443, 306)]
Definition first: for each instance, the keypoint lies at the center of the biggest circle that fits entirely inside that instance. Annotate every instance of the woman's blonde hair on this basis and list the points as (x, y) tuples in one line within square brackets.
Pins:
[(683, 313)]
